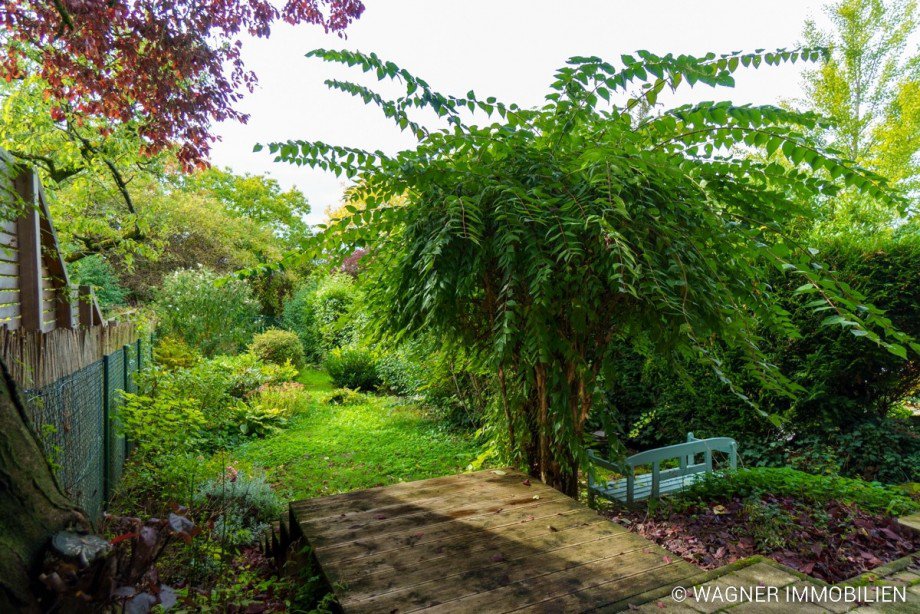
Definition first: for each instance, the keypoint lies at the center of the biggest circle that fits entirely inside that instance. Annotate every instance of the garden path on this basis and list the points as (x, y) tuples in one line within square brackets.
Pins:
[(489, 541)]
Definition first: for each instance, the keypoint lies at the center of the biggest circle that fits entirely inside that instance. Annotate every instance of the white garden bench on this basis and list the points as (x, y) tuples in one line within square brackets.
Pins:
[(659, 482)]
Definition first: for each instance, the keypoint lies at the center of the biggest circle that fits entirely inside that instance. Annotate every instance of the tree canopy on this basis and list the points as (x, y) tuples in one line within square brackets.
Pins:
[(117, 91), (171, 67), (545, 239), (869, 89)]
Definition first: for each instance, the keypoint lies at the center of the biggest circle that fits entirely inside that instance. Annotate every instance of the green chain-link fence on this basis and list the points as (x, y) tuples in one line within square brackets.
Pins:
[(77, 419)]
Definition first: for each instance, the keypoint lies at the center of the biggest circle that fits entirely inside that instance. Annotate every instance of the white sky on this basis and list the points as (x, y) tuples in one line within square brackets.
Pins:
[(503, 48)]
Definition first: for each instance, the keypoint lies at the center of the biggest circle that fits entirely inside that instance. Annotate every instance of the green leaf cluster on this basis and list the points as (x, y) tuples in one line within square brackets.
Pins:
[(547, 238)]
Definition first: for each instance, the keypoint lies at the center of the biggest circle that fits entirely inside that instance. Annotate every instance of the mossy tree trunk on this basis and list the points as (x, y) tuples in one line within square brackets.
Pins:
[(32, 505)]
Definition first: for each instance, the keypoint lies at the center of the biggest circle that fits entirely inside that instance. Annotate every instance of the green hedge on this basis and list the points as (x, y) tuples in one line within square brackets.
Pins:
[(870, 496), (847, 420)]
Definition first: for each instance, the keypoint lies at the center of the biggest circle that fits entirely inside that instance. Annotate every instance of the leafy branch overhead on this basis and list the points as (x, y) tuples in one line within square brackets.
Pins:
[(544, 237)]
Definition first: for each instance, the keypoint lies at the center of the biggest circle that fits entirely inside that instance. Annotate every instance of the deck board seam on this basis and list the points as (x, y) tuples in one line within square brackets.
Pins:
[(359, 602), (512, 561)]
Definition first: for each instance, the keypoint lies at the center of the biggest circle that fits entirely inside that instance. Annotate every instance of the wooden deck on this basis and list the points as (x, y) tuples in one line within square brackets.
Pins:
[(490, 541)]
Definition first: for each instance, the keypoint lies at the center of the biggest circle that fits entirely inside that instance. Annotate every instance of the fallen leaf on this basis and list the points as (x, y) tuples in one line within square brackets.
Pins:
[(499, 472), (536, 496), (526, 482), (553, 529)]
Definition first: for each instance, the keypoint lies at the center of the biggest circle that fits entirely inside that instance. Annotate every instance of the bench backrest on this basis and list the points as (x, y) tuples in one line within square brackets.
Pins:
[(686, 453)]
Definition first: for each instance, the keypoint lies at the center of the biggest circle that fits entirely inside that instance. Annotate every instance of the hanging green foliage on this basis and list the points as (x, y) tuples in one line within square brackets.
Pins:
[(545, 239)]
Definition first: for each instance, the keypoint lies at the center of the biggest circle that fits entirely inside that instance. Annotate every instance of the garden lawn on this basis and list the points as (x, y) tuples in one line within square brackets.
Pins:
[(329, 449)]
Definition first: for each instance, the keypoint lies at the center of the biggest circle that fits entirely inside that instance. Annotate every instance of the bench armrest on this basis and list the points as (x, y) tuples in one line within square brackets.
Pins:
[(619, 467)]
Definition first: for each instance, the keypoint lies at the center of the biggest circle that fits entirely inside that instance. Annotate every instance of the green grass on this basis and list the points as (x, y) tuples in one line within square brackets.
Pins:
[(329, 449)]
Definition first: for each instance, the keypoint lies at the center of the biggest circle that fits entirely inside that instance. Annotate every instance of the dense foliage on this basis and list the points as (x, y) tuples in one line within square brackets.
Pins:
[(869, 88), (853, 418), (208, 406), (543, 241), (210, 316), (353, 367), (104, 61), (299, 316), (98, 272), (278, 346)]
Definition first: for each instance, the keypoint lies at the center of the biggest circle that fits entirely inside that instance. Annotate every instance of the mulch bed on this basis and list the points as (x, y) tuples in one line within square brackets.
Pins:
[(833, 542)]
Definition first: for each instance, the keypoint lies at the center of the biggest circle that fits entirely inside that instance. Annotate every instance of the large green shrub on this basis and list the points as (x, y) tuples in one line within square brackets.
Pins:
[(325, 312), (278, 346), (165, 424), (300, 316), (211, 405), (554, 234), (401, 373), (336, 305), (211, 314), (841, 423), (353, 367), (241, 506)]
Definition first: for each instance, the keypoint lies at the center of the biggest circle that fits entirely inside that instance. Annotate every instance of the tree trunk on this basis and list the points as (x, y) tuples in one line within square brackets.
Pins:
[(562, 477), (32, 506), (550, 460)]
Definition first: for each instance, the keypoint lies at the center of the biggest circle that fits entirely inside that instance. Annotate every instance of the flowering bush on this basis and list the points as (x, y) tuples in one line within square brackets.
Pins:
[(212, 314)]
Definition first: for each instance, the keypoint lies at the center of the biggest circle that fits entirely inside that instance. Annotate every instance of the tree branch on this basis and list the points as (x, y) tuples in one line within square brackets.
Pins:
[(57, 175), (94, 246)]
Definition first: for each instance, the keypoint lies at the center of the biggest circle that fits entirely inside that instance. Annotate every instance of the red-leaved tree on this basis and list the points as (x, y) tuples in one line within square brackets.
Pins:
[(173, 66)]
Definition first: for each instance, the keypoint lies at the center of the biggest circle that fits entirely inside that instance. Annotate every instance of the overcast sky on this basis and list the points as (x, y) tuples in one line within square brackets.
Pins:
[(503, 48)]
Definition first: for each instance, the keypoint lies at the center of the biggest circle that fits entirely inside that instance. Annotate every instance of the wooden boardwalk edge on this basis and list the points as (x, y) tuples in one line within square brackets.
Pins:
[(488, 541)]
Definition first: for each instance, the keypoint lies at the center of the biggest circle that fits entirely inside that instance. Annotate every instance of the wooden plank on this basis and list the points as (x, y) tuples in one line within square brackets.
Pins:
[(55, 263), (89, 310), (13, 323), (9, 268), (473, 513), (486, 505), (452, 545), (362, 500), (9, 296), (489, 551), (613, 591), (643, 486), (9, 283), (8, 239), (9, 310), (477, 542), (512, 584), (386, 544), (8, 254), (451, 499), (30, 251), (628, 568)]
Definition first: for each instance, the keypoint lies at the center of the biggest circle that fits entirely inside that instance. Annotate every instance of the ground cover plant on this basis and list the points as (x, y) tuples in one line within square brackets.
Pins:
[(828, 527)]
